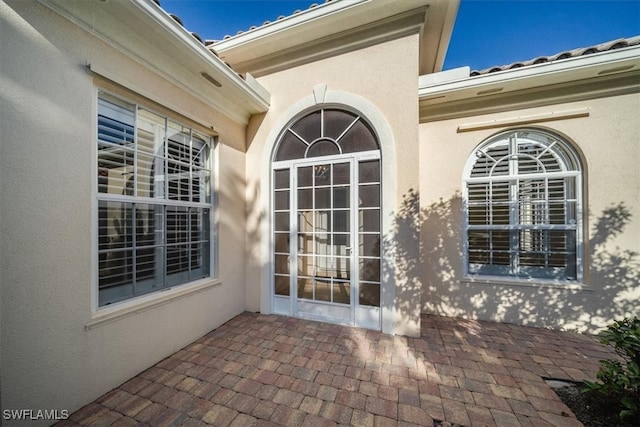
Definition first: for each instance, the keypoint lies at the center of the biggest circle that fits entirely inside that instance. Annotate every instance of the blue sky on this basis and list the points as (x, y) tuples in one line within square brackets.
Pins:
[(486, 32)]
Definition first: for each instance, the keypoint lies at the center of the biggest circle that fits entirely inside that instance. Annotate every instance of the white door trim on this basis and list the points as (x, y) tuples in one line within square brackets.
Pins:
[(389, 191)]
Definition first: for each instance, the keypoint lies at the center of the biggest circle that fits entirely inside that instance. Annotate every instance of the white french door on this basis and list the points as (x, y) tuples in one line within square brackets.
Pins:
[(327, 239), (324, 224)]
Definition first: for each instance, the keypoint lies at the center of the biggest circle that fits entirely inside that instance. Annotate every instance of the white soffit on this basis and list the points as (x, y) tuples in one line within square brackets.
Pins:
[(436, 34), (452, 85), (279, 30), (337, 26), (144, 32)]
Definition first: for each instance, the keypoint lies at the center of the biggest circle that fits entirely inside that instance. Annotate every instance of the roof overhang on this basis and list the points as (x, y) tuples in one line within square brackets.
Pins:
[(454, 94), (338, 27), (141, 30)]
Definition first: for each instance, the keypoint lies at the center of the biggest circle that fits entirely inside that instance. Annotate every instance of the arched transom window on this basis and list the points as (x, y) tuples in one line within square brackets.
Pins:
[(523, 207), (326, 132)]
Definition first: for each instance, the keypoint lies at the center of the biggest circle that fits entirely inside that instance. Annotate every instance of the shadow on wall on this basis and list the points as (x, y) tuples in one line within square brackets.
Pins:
[(401, 262), (614, 274), (254, 217)]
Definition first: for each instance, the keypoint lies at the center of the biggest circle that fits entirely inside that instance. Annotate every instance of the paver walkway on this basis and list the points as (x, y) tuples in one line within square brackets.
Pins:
[(259, 370)]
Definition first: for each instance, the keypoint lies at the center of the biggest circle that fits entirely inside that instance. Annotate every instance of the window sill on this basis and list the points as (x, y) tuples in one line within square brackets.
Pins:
[(528, 283), (135, 306)]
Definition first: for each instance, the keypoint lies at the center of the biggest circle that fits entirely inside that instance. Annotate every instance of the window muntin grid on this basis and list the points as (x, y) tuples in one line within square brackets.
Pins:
[(325, 132), (522, 205), (329, 133), (154, 201)]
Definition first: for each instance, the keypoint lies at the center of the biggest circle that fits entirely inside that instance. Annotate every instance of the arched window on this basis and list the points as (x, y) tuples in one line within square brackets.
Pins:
[(523, 207), (326, 218), (325, 132)]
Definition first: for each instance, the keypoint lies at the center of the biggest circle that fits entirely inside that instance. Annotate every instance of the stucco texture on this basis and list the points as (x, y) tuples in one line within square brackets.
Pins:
[(607, 141), (48, 228), (383, 76)]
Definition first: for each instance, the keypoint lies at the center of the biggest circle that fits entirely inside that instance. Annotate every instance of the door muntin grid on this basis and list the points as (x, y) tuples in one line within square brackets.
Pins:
[(327, 230), (326, 214), (323, 219)]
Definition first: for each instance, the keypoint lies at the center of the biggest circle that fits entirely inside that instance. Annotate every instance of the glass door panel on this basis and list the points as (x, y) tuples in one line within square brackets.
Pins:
[(327, 240), (324, 261), (281, 232), (323, 195), (369, 243)]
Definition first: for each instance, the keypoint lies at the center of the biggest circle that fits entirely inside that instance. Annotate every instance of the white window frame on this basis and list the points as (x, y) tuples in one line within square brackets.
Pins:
[(369, 316), (191, 284), (513, 177)]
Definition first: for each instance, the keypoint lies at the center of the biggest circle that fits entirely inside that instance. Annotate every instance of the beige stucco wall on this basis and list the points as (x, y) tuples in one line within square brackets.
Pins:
[(50, 360), (608, 140), (48, 223), (382, 76)]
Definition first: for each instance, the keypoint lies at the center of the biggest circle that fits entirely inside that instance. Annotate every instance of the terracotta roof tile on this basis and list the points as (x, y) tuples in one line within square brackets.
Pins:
[(265, 23), (603, 47), (196, 36), (176, 18)]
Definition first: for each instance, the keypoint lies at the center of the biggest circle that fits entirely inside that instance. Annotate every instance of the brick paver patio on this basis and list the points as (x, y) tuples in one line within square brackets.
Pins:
[(259, 370)]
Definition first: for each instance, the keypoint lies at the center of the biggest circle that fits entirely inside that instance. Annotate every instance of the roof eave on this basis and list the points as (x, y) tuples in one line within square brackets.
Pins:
[(272, 29), (338, 27), (509, 82), (436, 34), (234, 97)]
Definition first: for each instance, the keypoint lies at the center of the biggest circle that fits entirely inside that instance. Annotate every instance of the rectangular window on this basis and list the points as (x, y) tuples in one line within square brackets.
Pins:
[(515, 229), (154, 201)]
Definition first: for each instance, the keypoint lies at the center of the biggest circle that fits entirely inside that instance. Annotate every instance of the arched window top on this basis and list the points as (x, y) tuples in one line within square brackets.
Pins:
[(522, 208), (522, 152), (326, 132)]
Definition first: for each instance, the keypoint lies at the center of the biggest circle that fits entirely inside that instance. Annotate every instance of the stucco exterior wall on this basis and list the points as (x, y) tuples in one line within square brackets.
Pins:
[(385, 77), (608, 142), (59, 352), (48, 231)]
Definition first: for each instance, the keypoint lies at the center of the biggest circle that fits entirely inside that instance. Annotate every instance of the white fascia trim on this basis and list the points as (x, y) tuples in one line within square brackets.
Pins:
[(609, 59), (274, 27), (259, 96), (455, 74)]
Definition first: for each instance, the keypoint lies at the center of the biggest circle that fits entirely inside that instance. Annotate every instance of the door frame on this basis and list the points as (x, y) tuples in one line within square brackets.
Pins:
[(259, 283), (359, 315)]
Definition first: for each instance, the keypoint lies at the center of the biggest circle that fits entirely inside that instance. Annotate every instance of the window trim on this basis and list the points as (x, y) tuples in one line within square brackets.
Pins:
[(578, 173), (114, 312), (137, 303)]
